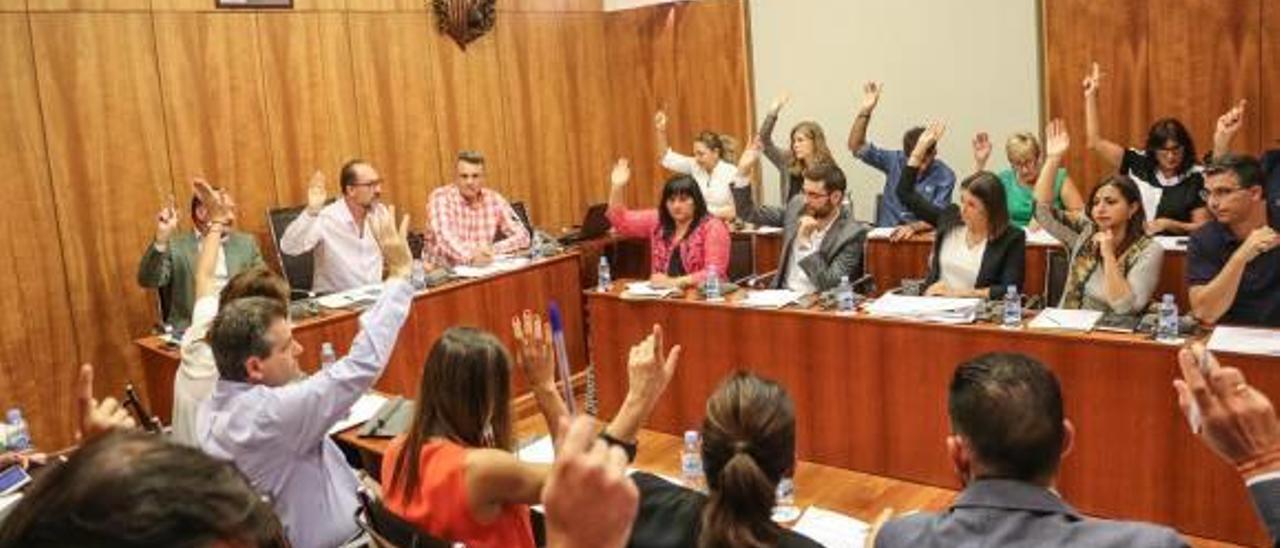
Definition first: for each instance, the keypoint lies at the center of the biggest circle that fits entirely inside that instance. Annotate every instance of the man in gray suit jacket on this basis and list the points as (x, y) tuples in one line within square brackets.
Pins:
[(169, 264), (1009, 436), (821, 241)]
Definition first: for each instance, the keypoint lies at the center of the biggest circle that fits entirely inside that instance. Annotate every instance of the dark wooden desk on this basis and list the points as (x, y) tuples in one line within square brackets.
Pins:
[(488, 303), (870, 398), (890, 262)]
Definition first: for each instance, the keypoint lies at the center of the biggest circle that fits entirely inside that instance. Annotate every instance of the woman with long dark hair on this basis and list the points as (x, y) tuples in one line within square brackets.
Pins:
[(1165, 169), (1114, 265), (976, 252), (808, 147), (453, 474), (748, 446), (685, 240)]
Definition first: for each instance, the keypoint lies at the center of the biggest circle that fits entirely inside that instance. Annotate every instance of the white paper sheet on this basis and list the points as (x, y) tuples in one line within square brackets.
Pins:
[(351, 297), (498, 266), (1041, 237), (831, 529), (880, 233), (363, 410), (1172, 243), (929, 309), (643, 290), (1063, 319), (770, 298), (1245, 340)]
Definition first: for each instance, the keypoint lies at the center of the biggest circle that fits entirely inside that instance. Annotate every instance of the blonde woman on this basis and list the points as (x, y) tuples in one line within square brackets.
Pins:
[(1025, 159)]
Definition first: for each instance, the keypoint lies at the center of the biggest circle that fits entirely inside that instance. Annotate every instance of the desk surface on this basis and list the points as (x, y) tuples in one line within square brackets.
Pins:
[(871, 397)]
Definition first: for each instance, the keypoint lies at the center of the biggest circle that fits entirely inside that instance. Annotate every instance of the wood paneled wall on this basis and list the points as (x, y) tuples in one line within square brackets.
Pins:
[(1189, 59), (109, 106)]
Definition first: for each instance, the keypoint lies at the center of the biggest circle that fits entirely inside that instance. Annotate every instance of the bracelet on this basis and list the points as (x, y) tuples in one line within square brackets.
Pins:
[(629, 448), (1253, 465)]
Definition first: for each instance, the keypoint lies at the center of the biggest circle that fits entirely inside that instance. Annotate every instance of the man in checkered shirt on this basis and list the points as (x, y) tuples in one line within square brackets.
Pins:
[(470, 224)]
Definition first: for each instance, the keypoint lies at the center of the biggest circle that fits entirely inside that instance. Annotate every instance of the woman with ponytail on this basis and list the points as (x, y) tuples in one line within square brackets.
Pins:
[(712, 165), (748, 445)]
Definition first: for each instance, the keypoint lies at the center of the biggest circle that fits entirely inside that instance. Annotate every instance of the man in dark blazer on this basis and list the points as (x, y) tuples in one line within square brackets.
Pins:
[(169, 264), (821, 242), (1008, 438)]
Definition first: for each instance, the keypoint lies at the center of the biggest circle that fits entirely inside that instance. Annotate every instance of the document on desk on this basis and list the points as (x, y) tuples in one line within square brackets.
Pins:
[(768, 230), (1245, 340), (832, 529), (1041, 237), (498, 266), (770, 298), (1172, 243), (880, 233), (356, 296), (928, 309), (363, 410), (1064, 319), (645, 290)]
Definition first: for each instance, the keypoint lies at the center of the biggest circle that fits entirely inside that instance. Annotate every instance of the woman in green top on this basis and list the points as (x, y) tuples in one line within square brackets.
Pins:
[(1025, 158)]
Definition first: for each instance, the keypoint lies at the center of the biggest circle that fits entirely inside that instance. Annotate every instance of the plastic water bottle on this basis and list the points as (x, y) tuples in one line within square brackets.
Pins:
[(691, 462), (603, 279), (1012, 308), (711, 286), (1167, 327), (4, 436), (19, 438), (535, 246), (844, 296), (785, 509), (327, 355), (418, 274)]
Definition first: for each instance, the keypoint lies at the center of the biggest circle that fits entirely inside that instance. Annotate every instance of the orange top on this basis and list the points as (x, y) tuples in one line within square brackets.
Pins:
[(440, 507)]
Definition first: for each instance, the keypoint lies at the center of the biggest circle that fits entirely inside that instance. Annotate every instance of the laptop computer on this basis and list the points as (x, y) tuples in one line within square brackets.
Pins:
[(594, 225)]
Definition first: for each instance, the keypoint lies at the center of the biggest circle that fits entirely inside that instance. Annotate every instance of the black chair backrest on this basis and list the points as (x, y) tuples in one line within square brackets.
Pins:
[(522, 213), (297, 269), (1056, 278), (391, 528), (742, 262)]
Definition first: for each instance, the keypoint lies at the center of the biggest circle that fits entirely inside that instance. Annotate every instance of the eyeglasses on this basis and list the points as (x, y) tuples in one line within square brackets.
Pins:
[(1218, 193), (816, 195)]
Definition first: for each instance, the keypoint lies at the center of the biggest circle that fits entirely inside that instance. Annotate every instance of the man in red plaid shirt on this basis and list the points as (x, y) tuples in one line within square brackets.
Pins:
[(470, 224)]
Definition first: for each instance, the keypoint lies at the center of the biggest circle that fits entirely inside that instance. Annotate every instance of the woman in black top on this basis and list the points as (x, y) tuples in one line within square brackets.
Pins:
[(1165, 170), (981, 220), (748, 444)]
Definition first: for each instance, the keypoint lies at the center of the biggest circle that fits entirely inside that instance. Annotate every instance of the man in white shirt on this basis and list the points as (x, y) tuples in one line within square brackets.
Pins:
[(346, 254), (274, 426)]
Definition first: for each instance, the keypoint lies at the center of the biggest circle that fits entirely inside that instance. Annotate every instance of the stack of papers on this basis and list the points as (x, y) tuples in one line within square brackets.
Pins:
[(770, 298), (929, 309), (880, 233), (363, 410), (1041, 237), (768, 230), (498, 266), (357, 296), (1245, 340), (643, 290), (1172, 243), (1063, 319), (832, 529)]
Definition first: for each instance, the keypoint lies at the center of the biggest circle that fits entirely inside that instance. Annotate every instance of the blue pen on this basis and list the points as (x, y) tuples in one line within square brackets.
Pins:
[(562, 356)]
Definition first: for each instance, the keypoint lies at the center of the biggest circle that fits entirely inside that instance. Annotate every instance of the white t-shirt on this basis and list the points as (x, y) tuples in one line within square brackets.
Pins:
[(797, 279), (959, 262), (715, 186)]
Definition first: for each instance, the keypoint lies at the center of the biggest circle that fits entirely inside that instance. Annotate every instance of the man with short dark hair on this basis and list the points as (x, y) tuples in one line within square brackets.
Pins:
[(821, 242), (471, 224), (274, 426), (1008, 438), (169, 263), (1233, 266), (935, 181), (346, 254)]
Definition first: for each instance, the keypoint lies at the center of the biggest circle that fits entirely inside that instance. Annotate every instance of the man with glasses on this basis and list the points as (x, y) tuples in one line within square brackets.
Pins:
[(346, 255), (1233, 267), (821, 241), (470, 224)]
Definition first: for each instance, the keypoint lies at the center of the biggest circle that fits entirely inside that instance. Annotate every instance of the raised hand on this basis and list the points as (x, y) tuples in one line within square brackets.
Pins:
[(97, 417), (316, 194), (393, 241), (749, 157), (870, 96), (1056, 139), (1229, 123), (1238, 421), (590, 500), (660, 121), (981, 150), (779, 103), (650, 367), (621, 173), (534, 355), (1092, 80), (166, 221), (215, 202), (928, 138)]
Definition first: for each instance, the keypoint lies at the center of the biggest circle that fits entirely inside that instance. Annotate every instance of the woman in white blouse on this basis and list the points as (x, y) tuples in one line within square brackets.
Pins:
[(711, 165), (1114, 265)]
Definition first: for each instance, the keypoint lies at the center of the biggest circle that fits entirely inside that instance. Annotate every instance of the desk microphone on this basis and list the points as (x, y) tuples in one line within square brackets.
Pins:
[(562, 356)]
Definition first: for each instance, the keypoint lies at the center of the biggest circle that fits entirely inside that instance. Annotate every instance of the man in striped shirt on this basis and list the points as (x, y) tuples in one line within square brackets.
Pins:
[(471, 224)]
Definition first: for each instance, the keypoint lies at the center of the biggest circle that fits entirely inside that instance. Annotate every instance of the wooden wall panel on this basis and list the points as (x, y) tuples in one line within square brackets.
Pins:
[(38, 357), (712, 85), (1113, 33), (471, 109), (551, 6), (306, 66), (100, 98), (397, 104), (90, 5), (1205, 58), (214, 109), (1268, 108), (556, 116), (641, 59)]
